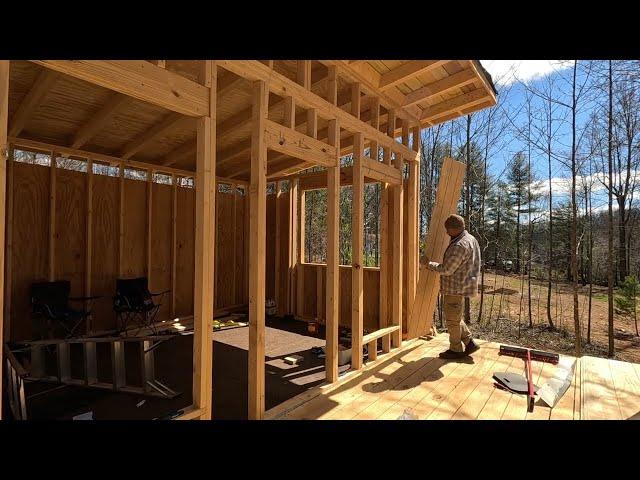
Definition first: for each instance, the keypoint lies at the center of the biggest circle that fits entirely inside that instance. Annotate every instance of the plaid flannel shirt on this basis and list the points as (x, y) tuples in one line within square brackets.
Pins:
[(460, 268)]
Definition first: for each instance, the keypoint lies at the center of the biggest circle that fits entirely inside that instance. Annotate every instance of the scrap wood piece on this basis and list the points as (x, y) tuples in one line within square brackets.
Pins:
[(447, 195), (553, 390)]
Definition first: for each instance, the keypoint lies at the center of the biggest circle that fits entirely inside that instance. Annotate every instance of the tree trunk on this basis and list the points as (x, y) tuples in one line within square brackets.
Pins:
[(574, 221), (610, 216)]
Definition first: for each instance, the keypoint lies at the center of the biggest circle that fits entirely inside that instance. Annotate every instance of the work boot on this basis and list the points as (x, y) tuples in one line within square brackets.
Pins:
[(471, 347), (451, 355)]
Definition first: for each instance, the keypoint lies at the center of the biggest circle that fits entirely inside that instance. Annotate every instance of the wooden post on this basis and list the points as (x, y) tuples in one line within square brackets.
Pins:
[(301, 249), (234, 278), (413, 208), (204, 251), (257, 248), (121, 221), (52, 218), (89, 237), (386, 250), (149, 221), (357, 231), (4, 153), (293, 242), (332, 310), (396, 338), (277, 252), (174, 241)]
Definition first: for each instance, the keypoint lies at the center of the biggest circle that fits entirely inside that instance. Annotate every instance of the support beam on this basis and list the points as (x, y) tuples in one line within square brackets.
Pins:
[(187, 149), (332, 310), (4, 154), (439, 87), (204, 251), (121, 219), (282, 86), (454, 104), (300, 232), (9, 237), (298, 145), (257, 247), (139, 79), (357, 240), (381, 171), (96, 157), (398, 192), (99, 120), (277, 275), (408, 70), (139, 143), (32, 101)]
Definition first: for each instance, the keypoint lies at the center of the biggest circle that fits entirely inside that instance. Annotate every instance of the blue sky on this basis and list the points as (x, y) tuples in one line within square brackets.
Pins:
[(510, 77)]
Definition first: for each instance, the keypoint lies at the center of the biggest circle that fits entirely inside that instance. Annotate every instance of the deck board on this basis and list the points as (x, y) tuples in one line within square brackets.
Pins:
[(415, 381)]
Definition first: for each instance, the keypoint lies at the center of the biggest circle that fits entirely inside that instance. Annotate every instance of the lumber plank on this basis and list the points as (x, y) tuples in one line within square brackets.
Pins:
[(598, 391), (4, 153), (436, 241), (627, 385), (357, 234), (99, 120), (257, 247), (333, 274), (204, 251), (32, 101), (298, 145), (139, 79), (408, 70)]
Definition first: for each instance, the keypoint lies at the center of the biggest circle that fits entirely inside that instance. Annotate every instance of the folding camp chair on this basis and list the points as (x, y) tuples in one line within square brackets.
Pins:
[(50, 301), (133, 303)]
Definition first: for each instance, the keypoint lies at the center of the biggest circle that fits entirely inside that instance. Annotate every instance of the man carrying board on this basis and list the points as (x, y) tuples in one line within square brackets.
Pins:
[(459, 273)]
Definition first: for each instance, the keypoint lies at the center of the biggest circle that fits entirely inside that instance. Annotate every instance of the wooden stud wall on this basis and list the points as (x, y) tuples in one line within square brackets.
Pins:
[(86, 241)]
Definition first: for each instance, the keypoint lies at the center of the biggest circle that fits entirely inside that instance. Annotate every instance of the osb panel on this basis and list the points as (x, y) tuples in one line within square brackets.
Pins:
[(30, 241), (135, 229), (161, 239), (242, 259), (224, 288), (127, 123), (185, 251), (104, 250), (70, 238), (22, 75)]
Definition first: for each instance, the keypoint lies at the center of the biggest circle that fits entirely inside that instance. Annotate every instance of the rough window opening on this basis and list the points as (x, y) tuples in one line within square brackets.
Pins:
[(271, 188), (186, 182), (107, 170), (74, 164), (162, 178), (315, 216), (34, 158), (135, 174)]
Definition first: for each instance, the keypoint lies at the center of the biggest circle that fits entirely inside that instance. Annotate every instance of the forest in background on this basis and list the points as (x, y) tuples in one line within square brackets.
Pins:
[(550, 194)]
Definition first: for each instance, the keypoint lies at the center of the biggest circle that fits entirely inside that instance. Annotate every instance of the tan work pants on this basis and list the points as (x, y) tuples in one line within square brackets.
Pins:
[(459, 333)]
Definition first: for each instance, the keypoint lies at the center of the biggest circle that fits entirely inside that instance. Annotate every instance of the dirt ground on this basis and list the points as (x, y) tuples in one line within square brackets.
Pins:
[(505, 318)]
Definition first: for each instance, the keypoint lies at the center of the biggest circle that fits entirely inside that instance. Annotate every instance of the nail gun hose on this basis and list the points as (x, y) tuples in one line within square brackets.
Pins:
[(530, 400)]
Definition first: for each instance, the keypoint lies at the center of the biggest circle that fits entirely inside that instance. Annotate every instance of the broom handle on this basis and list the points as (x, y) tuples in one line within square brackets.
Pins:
[(530, 382)]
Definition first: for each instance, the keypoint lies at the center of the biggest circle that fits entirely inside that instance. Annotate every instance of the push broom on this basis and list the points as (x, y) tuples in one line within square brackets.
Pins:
[(528, 355)]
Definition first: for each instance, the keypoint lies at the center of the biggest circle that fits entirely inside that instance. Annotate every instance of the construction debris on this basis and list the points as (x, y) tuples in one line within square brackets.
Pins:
[(293, 359), (555, 387)]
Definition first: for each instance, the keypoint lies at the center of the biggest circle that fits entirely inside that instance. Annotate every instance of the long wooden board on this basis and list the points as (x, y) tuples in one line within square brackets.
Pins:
[(447, 196)]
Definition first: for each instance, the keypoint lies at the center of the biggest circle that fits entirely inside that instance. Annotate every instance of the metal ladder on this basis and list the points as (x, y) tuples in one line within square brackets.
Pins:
[(150, 385)]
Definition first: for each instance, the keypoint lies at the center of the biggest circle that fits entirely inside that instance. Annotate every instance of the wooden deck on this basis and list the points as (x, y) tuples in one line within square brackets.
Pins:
[(416, 381)]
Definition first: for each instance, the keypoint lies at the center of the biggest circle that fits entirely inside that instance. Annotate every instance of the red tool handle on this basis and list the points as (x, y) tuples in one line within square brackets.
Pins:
[(530, 398)]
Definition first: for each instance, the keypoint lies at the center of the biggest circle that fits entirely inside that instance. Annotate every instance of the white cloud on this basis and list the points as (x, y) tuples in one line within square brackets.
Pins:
[(508, 71)]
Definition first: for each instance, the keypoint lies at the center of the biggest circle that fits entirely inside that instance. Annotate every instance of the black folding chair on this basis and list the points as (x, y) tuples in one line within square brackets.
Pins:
[(133, 303), (50, 301)]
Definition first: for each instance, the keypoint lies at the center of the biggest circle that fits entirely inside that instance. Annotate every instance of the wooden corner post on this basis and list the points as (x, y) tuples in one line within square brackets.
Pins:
[(4, 153), (257, 250), (204, 251), (332, 309), (357, 232)]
